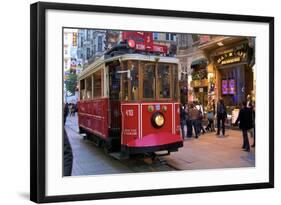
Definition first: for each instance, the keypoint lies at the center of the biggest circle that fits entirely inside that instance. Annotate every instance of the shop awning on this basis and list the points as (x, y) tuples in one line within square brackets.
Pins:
[(201, 62)]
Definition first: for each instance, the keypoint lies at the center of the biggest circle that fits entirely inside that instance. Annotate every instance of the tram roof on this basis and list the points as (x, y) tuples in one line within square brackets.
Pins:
[(124, 57)]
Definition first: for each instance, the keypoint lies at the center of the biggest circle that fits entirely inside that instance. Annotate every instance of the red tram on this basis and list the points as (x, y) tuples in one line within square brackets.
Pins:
[(129, 101)]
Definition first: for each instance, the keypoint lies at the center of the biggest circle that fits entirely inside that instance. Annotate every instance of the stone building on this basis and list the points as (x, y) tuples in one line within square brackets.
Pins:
[(215, 67)]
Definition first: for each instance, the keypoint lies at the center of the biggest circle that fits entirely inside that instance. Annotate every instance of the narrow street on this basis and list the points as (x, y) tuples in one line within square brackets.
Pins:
[(209, 151)]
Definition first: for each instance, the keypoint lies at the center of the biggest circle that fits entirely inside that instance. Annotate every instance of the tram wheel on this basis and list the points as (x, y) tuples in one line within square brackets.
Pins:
[(80, 130)]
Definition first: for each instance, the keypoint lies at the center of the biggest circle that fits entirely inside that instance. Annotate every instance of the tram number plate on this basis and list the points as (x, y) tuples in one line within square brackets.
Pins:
[(130, 113), (157, 107)]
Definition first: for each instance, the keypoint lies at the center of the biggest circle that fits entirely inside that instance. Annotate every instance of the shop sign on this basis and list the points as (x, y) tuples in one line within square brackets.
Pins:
[(144, 41), (232, 60), (233, 56)]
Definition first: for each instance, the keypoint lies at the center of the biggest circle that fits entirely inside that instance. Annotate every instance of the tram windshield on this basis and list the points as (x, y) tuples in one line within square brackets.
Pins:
[(148, 81)]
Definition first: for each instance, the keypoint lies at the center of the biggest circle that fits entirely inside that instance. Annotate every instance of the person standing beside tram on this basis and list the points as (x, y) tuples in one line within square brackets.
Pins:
[(182, 120), (65, 112)]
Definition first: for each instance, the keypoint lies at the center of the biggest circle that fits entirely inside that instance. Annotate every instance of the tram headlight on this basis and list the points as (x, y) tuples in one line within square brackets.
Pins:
[(131, 43), (157, 120)]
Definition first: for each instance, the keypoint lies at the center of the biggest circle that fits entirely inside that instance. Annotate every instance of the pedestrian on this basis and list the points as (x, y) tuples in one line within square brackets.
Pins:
[(253, 130), (188, 122), (194, 115), (65, 112), (210, 116), (182, 120), (71, 109), (200, 117), (245, 119), (249, 101), (67, 156), (75, 108), (221, 116)]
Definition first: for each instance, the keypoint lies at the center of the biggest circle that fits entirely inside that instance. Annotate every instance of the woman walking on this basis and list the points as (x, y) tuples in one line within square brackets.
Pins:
[(210, 116)]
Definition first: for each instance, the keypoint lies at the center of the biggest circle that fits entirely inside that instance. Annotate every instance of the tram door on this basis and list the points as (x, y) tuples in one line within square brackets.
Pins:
[(114, 99)]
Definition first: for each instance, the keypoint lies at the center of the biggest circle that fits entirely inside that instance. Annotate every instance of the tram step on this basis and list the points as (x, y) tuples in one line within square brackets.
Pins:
[(162, 153), (119, 155)]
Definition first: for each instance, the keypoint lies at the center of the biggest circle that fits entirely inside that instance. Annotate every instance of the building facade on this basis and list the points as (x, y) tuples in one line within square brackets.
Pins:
[(193, 82), (231, 66), (216, 67), (166, 39), (91, 44), (70, 49)]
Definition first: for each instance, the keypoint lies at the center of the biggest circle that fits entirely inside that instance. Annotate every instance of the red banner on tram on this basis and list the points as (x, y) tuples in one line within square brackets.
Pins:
[(144, 41)]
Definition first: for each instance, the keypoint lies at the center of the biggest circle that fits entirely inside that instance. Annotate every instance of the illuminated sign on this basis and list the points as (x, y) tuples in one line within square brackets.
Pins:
[(231, 86), (144, 41), (224, 86), (238, 54), (228, 87), (232, 60)]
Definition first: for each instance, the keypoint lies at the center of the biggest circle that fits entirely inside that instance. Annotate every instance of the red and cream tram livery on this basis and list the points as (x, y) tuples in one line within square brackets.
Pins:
[(129, 101)]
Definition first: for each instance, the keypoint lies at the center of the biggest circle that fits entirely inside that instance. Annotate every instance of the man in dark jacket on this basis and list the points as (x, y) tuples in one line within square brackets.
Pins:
[(67, 156), (245, 120), (221, 116), (65, 112)]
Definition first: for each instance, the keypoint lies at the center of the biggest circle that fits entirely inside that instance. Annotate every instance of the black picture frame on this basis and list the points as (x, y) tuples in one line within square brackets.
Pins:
[(38, 100)]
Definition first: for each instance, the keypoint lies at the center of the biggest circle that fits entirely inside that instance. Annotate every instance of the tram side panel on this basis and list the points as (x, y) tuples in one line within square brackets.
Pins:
[(177, 118), (92, 116), (130, 123)]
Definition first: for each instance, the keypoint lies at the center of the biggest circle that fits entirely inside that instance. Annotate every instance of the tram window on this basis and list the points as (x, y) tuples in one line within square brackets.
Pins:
[(97, 83), (82, 90), (164, 81), (114, 82), (89, 87), (176, 81), (133, 67), (149, 81), (125, 85)]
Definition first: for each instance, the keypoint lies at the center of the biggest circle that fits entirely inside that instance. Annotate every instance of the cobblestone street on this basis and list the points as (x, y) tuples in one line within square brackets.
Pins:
[(207, 152)]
